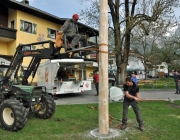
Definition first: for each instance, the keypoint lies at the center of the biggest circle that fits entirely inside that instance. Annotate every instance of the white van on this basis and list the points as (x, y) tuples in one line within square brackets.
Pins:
[(48, 75)]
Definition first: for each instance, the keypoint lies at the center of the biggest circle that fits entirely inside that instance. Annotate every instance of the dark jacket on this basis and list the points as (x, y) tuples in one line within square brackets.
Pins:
[(176, 77)]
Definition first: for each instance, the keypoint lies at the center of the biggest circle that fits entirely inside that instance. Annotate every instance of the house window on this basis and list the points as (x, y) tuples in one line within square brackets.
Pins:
[(31, 47), (51, 33), (25, 48), (12, 24), (28, 26)]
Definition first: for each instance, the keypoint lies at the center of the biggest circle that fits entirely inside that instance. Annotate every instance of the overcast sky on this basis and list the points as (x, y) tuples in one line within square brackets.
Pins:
[(65, 8), (60, 8)]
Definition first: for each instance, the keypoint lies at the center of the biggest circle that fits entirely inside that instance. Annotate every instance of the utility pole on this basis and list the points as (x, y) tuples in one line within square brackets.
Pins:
[(103, 69)]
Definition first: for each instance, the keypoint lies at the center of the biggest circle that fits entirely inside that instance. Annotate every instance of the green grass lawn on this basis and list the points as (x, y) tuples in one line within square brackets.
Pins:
[(159, 83), (74, 122)]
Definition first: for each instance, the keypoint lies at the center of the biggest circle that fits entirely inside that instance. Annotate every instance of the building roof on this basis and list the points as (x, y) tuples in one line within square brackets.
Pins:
[(13, 4)]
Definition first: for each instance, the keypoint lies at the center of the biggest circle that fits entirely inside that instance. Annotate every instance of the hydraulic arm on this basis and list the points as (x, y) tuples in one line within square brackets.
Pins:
[(37, 55)]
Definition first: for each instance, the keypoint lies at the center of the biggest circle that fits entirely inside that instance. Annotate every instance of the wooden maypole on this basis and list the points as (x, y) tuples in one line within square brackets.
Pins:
[(103, 69)]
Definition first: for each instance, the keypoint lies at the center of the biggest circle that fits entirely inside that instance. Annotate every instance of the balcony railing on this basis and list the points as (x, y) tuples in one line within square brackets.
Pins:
[(7, 32)]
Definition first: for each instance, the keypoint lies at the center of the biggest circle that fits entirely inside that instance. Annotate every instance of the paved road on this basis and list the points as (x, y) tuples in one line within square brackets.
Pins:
[(88, 96), (78, 98)]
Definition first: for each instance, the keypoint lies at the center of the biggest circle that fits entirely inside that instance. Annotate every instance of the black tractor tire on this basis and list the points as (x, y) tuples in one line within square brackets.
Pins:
[(13, 115), (48, 107)]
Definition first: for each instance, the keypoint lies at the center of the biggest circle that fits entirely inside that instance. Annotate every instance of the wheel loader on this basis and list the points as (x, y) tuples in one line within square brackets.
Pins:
[(18, 98)]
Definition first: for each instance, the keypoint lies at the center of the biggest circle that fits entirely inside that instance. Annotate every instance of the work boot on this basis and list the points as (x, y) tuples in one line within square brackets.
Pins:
[(123, 126), (141, 127)]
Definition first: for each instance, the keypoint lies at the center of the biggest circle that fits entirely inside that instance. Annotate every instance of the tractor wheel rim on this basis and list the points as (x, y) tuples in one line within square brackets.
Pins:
[(44, 108), (8, 116)]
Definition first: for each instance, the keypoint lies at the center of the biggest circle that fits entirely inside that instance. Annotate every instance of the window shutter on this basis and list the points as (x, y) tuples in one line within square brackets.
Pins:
[(34, 28), (48, 32), (21, 25)]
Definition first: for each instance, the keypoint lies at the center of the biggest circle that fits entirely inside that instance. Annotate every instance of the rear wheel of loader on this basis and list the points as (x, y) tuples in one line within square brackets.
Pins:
[(47, 107), (12, 115)]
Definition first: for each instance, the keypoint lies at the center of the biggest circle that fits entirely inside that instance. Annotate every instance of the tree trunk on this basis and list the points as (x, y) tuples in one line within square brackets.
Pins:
[(145, 69), (120, 72)]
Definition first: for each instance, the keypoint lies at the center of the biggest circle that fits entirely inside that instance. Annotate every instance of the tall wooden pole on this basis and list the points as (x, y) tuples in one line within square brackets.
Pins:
[(103, 69)]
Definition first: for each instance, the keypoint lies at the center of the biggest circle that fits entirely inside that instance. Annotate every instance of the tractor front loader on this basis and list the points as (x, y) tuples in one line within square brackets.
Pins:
[(17, 101)]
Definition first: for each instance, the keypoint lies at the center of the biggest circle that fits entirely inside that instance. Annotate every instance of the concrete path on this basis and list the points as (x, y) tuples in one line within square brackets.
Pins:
[(89, 96), (159, 95)]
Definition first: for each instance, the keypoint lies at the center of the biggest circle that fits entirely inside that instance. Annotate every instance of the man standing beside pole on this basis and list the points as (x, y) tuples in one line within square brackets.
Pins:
[(132, 97)]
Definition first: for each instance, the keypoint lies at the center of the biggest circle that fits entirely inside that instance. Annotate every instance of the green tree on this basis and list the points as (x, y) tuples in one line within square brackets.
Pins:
[(145, 42), (125, 15), (169, 53)]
